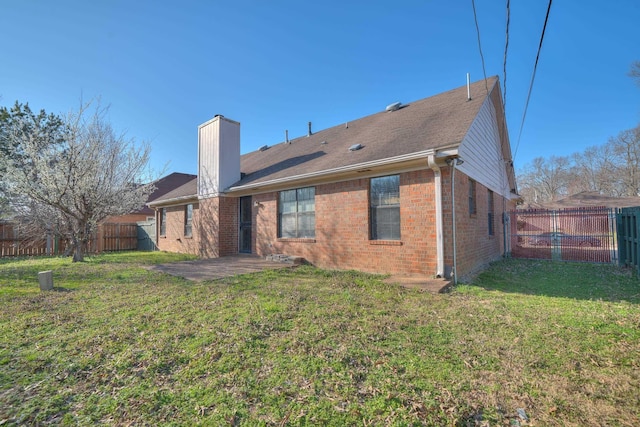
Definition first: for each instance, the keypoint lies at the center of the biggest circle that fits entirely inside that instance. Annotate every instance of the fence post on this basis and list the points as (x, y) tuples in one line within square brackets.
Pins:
[(636, 240)]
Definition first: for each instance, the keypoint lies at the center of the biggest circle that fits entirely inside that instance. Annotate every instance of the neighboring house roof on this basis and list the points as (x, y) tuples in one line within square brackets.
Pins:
[(436, 122), (165, 185), (169, 183), (590, 199), (188, 190), (439, 122)]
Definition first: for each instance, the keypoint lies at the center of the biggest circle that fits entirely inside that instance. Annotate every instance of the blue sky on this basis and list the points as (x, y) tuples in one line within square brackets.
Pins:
[(165, 67)]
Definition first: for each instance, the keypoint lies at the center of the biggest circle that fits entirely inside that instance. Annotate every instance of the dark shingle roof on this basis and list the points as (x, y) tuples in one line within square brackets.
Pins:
[(165, 185), (432, 123), (169, 183), (185, 191), (591, 199), (435, 122)]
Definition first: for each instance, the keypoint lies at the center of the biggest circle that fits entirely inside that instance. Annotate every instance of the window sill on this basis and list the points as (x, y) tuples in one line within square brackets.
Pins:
[(296, 240), (386, 242)]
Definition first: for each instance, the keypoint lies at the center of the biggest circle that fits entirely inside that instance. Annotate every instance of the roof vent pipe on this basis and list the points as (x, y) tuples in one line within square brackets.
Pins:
[(309, 132), (286, 137), (393, 107), (468, 89)]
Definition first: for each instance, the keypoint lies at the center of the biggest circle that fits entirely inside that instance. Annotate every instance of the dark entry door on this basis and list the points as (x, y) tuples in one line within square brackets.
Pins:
[(245, 224)]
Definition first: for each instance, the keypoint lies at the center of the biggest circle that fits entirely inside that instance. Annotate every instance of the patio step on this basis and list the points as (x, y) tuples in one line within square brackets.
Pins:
[(286, 259)]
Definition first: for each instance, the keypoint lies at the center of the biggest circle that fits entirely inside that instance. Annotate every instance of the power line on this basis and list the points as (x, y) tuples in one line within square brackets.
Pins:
[(533, 76), (475, 17), (504, 63), (503, 133)]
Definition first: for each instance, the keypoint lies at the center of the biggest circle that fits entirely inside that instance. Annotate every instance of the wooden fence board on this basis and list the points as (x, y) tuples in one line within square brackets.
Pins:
[(110, 237)]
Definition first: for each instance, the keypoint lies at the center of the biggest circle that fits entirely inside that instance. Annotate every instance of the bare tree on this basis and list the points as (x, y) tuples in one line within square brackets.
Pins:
[(69, 187), (612, 169), (634, 73), (545, 180), (594, 170), (626, 148)]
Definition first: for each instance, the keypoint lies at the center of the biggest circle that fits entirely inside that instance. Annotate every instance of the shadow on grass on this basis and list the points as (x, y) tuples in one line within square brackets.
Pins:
[(574, 280)]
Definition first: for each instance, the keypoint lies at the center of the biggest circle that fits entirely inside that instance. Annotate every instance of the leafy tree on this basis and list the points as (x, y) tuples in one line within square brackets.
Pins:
[(19, 123), (66, 177)]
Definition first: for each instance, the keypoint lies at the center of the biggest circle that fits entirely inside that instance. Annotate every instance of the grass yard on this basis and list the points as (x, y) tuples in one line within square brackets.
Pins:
[(528, 343)]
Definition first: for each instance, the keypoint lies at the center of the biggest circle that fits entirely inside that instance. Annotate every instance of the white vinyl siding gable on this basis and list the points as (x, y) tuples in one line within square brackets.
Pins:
[(482, 153)]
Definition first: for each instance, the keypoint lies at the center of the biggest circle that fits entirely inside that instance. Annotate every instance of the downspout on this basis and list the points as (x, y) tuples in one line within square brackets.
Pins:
[(453, 220), (438, 204)]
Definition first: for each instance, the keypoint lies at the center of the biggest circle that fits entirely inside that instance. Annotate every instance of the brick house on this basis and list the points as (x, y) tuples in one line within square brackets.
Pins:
[(163, 185), (418, 188)]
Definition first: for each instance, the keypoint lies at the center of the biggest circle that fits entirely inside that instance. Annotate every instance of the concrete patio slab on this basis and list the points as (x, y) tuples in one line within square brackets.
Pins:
[(218, 268), (436, 286)]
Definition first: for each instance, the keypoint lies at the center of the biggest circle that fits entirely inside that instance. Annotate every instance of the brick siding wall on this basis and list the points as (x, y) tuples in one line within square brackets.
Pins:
[(343, 228), (475, 247), (211, 237), (229, 208), (174, 239)]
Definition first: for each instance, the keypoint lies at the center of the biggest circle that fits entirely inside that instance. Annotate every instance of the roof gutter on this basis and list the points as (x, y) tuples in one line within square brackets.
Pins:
[(420, 155), (173, 201)]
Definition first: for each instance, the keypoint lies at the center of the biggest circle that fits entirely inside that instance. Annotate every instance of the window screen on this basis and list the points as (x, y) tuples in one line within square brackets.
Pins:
[(385, 208), (297, 213), (188, 216)]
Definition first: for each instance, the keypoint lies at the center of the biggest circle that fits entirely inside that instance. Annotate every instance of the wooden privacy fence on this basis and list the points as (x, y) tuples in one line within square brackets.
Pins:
[(629, 237), (574, 234), (110, 237)]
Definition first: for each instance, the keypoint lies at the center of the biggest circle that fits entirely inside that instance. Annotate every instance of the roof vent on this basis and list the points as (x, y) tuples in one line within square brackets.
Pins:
[(264, 148), (324, 143), (355, 147), (218, 115), (393, 107)]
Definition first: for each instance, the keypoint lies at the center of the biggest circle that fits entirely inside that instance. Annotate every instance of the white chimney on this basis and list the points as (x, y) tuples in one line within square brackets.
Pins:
[(218, 156)]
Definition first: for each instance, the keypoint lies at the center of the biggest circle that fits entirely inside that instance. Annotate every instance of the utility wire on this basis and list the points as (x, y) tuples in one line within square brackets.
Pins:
[(504, 64), (533, 76), (475, 17), (503, 133)]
